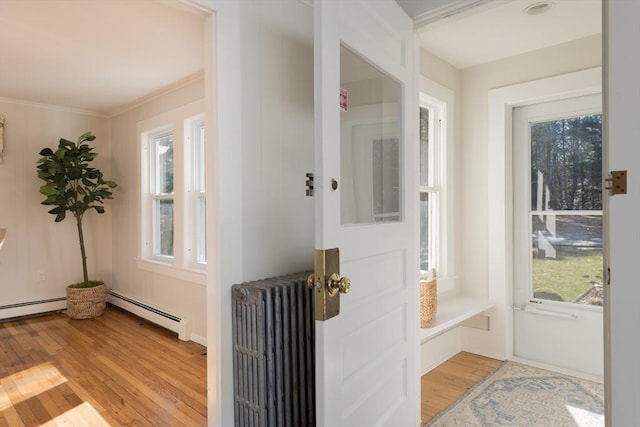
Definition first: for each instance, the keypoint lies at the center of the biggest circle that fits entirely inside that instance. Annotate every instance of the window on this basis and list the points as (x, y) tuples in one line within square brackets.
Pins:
[(436, 249), (161, 194), (558, 211), (173, 194), (197, 196), (429, 188)]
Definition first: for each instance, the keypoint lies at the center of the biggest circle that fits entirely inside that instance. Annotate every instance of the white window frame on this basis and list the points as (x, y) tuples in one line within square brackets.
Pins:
[(183, 264), (439, 101), (196, 192), (154, 193), (500, 201), (538, 112)]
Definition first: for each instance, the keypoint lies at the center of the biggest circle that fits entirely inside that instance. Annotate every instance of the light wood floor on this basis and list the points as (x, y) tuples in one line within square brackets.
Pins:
[(448, 382), (122, 370), (114, 370)]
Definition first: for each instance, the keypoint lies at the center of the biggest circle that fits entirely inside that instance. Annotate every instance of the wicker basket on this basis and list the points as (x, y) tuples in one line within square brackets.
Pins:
[(428, 300), (86, 303)]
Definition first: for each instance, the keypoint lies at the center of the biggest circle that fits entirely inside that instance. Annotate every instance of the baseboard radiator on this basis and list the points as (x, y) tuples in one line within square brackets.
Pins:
[(30, 308), (172, 321), (274, 352)]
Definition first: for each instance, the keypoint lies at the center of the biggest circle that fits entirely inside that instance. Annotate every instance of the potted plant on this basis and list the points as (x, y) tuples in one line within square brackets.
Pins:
[(73, 185)]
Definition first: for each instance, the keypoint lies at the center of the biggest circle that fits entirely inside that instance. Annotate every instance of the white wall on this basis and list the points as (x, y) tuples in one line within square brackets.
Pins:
[(440, 71), (277, 141), (35, 244), (265, 225), (176, 295)]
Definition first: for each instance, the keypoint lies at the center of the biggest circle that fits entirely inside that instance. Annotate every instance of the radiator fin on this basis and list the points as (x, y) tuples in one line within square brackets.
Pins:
[(274, 352)]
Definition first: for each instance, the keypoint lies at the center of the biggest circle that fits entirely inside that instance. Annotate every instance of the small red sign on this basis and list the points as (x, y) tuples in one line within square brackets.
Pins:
[(344, 99)]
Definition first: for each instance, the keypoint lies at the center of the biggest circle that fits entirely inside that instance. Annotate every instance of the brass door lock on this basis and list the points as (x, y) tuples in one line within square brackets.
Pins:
[(327, 284)]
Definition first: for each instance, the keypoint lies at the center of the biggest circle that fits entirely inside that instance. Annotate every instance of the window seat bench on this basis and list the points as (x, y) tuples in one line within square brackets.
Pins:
[(452, 311)]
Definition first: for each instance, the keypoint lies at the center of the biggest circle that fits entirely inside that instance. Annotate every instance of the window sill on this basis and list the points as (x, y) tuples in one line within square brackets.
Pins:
[(182, 273), (452, 312)]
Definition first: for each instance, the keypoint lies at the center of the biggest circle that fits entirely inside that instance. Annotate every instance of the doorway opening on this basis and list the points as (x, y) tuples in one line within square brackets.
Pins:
[(557, 234), (473, 53)]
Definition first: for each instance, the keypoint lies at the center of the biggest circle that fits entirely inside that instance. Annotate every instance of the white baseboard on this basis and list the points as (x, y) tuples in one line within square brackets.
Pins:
[(32, 307), (199, 339), (565, 371), (440, 349)]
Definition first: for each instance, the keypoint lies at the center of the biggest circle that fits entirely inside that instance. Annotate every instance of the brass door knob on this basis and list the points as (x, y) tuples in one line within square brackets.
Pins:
[(338, 284)]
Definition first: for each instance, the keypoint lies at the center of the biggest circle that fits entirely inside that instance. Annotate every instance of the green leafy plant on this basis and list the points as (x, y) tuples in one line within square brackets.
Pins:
[(72, 185)]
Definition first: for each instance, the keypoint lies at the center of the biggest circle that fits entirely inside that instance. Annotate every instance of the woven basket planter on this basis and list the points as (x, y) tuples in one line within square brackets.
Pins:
[(86, 303), (428, 301)]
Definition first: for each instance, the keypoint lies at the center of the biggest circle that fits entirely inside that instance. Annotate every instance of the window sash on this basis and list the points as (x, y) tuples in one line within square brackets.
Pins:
[(198, 160), (161, 189), (197, 255), (430, 187), (429, 230), (201, 229), (163, 226), (162, 162)]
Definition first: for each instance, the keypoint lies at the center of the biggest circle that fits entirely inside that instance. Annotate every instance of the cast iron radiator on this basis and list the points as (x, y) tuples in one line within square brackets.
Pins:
[(274, 352)]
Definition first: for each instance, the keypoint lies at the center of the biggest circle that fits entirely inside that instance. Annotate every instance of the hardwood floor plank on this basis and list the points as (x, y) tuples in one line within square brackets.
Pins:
[(10, 418), (38, 410), (120, 406), (57, 397), (447, 383), (181, 413), (26, 415), (115, 370)]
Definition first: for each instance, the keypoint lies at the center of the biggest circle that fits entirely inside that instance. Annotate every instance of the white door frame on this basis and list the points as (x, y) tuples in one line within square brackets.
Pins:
[(223, 181), (621, 135), (500, 206)]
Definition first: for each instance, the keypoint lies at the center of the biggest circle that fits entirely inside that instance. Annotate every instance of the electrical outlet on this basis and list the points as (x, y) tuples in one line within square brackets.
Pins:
[(40, 275)]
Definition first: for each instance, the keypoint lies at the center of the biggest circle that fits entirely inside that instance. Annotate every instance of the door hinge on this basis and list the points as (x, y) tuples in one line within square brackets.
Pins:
[(618, 182), (309, 184)]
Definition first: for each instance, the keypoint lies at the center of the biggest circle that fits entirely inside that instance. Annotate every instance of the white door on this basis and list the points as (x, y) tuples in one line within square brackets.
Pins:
[(366, 112), (622, 144), (557, 229)]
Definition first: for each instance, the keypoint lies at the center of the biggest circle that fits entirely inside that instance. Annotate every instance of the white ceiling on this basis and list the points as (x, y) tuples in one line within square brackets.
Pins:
[(96, 55), (500, 28), (101, 55)]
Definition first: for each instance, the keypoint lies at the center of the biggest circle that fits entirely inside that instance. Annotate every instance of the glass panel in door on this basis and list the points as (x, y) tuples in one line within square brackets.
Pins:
[(370, 142)]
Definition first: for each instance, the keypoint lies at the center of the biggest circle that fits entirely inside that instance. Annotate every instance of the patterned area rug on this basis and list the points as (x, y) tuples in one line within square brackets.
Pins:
[(520, 395)]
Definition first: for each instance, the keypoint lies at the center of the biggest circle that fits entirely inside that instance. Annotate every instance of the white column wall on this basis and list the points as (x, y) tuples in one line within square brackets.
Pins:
[(262, 93)]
